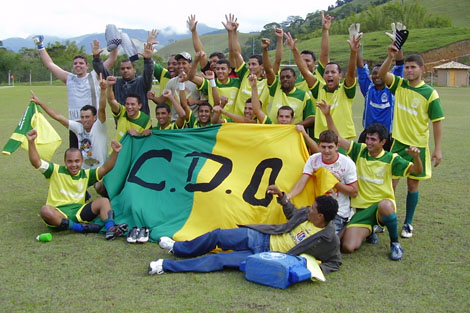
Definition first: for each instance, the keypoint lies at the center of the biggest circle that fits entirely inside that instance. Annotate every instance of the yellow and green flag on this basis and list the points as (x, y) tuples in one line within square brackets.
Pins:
[(183, 183), (47, 140)]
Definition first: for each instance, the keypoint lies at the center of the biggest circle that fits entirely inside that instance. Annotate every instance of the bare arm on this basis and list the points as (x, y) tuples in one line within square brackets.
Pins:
[(115, 106), (350, 78), (260, 115), (350, 190), (325, 108), (311, 144), (55, 69), (298, 187), (279, 46), (50, 111), (308, 76), (178, 108), (234, 49), (192, 72), (417, 166), (197, 43), (270, 74), (102, 104), (437, 132), (325, 38), (33, 154), (109, 164), (384, 73)]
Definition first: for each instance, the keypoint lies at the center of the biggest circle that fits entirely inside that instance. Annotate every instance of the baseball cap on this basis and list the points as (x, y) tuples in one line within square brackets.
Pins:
[(185, 55)]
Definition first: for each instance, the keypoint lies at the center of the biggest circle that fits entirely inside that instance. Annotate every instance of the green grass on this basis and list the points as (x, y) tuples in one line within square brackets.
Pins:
[(78, 272)]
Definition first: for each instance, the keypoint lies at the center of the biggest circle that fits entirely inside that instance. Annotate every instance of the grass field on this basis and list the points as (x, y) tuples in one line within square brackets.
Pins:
[(78, 272)]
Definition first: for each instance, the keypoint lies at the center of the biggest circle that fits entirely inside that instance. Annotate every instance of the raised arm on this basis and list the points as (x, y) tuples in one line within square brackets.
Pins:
[(109, 164), (308, 76), (325, 38), (260, 115), (298, 187), (102, 104), (268, 69), (217, 110), (234, 49), (354, 44), (47, 61), (311, 144), (279, 47), (33, 154), (50, 111), (384, 73), (198, 80), (197, 43), (148, 65), (182, 77), (178, 108), (115, 106), (210, 77), (325, 108), (98, 65)]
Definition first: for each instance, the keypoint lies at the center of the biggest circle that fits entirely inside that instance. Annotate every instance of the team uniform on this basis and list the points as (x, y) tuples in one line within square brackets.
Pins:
[(342, 168), (172, 125), (193, 121), (414, 107), (229, 90), (244, 92), (162, 75), (124, 123), (266, 120), (67, 192), (92, 144), (297, 99), (374, 182), (340, 101)]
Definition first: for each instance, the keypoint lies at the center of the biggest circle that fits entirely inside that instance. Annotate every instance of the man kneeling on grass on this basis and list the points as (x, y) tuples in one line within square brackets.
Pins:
[(308, 230), (65, 207)]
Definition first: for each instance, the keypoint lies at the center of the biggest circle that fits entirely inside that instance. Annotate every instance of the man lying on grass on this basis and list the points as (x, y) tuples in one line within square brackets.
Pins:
[(65, 207), (308, 230)]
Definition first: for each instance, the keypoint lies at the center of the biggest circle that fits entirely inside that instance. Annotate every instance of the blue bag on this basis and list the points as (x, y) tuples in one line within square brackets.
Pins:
[(275, 269)]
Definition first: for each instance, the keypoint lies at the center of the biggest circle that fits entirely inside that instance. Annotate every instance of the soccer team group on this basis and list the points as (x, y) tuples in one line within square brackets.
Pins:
[(394, 142)]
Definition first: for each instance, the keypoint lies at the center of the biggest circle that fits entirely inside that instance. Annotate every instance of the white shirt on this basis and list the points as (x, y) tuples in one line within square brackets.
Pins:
[(93, 144), (344, 169), (79, 93)]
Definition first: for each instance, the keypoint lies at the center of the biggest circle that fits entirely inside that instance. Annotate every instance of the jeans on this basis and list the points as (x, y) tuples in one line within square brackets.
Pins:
[(244, 242), (339, 222)]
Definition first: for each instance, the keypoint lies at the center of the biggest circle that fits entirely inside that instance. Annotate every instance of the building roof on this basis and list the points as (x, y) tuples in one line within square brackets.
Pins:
[(453, 65)]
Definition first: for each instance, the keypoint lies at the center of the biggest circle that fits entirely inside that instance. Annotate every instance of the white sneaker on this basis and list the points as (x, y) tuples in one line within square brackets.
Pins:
[(378, 229), (407, 231), (156, 267), (167, 243)]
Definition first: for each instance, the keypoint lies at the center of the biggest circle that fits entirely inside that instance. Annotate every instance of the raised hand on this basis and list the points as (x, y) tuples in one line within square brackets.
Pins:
[(192, 23), (265, 42), (34, 98), (31, 135), (279, 33), (167, 94), (324, 107), (231, 23), (253, 81), (326, 21), (95, 48), (152, 37), (148, 50), (116, 146), (111, 80), (103, 84), (209, 75), (290, 41)]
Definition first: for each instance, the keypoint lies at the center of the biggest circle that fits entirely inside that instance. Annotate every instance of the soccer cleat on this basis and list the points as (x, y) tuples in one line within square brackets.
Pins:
[(407, 231), (143, 235), (156, 267), (167, 243), (378, 229), (132, 236), (372, 238), (396, 251), (91, 228), (115, 231)]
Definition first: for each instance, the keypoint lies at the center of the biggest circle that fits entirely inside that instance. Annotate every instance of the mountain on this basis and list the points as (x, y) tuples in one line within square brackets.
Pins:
[(139, 36)]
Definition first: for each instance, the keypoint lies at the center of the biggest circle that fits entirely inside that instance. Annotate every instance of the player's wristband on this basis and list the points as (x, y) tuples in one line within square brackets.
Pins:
[(181, 86), (40, 46), (212, 82)]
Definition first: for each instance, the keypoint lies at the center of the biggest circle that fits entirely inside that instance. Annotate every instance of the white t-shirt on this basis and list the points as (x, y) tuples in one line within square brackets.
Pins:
[(344, 169), (93, 144), (191, 92), (79, 93)]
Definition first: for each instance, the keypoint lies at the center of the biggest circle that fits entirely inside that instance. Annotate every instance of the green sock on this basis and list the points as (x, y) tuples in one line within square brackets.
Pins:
[(391, 222), (411, 203)]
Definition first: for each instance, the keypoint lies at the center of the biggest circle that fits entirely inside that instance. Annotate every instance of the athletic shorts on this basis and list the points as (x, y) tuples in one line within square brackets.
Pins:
[(424, 155), (366, 218), (77, 213)]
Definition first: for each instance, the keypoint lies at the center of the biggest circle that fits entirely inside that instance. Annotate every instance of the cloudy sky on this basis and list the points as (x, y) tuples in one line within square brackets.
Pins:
[(22, 18)]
